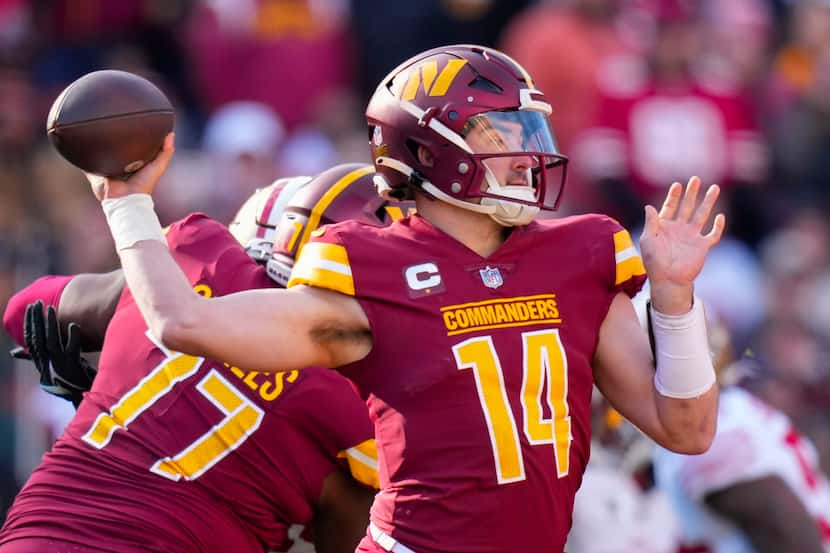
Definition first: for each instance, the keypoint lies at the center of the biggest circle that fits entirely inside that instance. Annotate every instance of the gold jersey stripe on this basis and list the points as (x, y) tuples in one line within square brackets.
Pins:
[(324, 266), (629, 268), (363, 462), (629, 263), (498, 300), (622, 241)]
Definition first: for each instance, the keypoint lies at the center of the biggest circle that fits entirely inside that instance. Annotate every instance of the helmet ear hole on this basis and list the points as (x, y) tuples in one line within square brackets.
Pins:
[(421, 153), (413, 148)]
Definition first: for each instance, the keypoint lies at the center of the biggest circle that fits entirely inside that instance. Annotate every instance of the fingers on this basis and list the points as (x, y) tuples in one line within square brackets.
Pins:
[(27, 325), (687, 205), (35, 324), (144, 180), (33, 333), (73, 340), (704, 210), (672, 201), (714, 235), (652, 224), (53, 334), (162, 160)]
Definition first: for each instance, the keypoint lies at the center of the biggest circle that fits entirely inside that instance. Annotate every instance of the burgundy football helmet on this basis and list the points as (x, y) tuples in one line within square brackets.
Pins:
[(466, 125), (255, 224), (344, 192)]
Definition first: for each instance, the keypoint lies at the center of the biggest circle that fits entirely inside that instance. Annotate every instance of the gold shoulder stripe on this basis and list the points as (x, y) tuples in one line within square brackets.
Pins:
[(363, 462), (622, 241), (324, 266), (628, 261)]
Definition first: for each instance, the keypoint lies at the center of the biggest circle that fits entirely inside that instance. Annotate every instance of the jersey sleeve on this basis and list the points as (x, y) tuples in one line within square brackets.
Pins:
[(343, 427), (324, 263), (194, 230), (618, 257), (47, 289)]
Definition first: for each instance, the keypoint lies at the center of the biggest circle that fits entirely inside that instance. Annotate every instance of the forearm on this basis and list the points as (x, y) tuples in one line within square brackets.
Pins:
[(684, 382), (265, 330), (160, 289), (90, 301), (680, 414), (687, 425)]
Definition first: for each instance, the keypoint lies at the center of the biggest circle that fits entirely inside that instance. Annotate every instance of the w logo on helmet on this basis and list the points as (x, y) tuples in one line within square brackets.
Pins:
[(434, 83)]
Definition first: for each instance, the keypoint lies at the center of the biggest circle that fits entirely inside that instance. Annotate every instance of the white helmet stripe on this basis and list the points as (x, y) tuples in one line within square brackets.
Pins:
[(444, 197), (291, 186), (395, 164), (436, 125), (526, 102)]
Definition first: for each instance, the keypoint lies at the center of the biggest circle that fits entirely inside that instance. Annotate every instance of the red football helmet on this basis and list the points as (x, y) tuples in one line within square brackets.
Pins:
[(344, 192), (255, 224), (464, 122)]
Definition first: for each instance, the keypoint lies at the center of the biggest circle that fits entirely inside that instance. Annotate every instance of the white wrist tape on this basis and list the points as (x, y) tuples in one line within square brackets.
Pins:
[(684, 364), (132, 219)]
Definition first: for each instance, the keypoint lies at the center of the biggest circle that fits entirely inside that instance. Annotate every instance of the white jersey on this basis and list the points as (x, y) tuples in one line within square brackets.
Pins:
[(753, 441), (612, 515)]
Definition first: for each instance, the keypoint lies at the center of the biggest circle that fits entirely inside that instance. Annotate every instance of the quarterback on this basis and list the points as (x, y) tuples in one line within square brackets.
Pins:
[(474, 332)]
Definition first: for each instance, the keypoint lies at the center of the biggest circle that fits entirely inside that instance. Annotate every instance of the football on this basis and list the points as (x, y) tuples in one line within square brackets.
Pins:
[(110, 123)]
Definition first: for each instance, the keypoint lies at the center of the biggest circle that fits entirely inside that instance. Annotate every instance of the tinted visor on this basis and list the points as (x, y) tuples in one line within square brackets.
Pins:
[(519, 149)]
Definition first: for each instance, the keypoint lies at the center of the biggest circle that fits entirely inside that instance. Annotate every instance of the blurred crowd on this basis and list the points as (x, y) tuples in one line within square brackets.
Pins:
[(645, 92)]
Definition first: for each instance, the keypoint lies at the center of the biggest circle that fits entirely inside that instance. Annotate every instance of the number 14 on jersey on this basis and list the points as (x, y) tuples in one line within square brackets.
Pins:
[(544, 362)]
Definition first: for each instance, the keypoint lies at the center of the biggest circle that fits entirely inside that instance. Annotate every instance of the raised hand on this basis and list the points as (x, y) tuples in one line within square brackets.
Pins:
[(673, 244), (142, 181)]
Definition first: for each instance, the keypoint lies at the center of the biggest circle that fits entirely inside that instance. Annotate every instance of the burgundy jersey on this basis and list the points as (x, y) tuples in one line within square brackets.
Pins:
[(479, 380), (175, 453)]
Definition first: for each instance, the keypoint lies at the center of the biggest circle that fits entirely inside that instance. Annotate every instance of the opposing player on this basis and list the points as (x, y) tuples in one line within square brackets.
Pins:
[(475, 332), (759, 488), (170, 452)]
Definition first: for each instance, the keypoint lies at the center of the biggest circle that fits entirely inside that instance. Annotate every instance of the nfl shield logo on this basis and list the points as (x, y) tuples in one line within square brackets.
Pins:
[(491, 277)]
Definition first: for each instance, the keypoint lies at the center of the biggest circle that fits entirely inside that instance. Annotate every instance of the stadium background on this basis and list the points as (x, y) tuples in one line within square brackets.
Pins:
[(644, 92)]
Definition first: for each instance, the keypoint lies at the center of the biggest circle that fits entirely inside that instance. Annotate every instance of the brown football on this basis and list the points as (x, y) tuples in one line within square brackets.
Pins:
[(110, 122)]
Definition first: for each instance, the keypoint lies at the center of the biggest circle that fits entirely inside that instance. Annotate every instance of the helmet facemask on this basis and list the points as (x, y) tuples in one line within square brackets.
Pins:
[(513, 160)]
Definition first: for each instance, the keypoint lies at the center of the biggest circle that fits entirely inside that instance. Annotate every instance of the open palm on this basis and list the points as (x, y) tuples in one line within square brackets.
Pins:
[(672, 244)]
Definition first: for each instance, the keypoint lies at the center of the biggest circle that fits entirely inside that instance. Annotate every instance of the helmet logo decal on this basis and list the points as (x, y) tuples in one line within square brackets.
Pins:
[(427, 73), (395, 212)]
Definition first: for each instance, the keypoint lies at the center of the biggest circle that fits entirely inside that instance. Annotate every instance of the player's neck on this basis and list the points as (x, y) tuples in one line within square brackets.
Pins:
[(475, 230)]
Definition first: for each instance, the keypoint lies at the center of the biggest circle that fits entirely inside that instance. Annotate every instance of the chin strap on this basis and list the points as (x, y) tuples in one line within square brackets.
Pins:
[(507, 213), (502, 211)]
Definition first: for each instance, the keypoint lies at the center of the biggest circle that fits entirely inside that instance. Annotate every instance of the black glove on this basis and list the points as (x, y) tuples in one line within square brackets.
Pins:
[(63, 372)]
